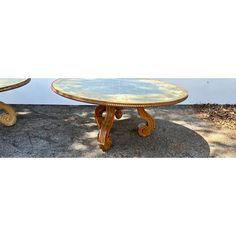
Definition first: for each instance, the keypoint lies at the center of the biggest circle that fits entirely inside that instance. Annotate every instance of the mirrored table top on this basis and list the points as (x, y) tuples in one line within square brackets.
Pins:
[(8, 84), (120, 92)]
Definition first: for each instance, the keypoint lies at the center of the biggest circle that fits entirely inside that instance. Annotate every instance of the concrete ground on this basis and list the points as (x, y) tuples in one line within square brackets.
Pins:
[(71, 131)]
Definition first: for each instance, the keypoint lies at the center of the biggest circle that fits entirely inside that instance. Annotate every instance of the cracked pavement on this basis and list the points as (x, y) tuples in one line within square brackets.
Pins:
[(71, 131)]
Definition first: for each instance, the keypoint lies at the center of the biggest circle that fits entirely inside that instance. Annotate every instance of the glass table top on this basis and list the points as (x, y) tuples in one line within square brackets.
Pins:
[(8, 84), (120, 92)]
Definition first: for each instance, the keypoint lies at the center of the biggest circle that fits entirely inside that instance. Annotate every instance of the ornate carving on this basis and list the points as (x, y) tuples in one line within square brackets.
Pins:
[(105, 124), (145, 130), (8, 118), (98, 115), (118, 113), (104, 138)]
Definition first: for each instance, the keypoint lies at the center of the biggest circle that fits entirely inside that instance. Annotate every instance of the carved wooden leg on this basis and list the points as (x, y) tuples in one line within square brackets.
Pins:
[(98, 115), (145, 130), (8, 118), (104, 138), (119, 112)]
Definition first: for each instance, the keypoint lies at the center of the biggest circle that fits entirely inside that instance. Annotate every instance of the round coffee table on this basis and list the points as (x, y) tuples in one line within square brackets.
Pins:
[(8, 117), (113, 95)]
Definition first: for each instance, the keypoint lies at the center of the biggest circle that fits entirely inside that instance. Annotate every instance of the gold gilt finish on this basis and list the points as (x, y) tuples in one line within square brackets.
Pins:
[(113, 95), (145, 129), (120, 92), (104, 138), (105, 124), (8, 117)]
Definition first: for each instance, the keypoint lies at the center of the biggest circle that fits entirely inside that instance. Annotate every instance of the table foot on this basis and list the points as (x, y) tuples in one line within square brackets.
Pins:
[(8, 118), (145, 130), (106, 123)]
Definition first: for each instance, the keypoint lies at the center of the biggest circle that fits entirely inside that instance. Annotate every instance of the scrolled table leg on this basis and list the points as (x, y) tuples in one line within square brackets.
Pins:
[(8, 118), (118, 113), (104, 138), (98, 115), (145, 130)]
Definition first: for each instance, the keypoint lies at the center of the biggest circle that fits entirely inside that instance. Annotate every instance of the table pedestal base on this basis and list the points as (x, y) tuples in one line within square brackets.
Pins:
[(145, 129), (105, 124), (8, 117)]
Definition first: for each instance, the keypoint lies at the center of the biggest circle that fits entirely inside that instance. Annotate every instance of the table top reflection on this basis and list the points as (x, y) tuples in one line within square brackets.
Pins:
[(120, 92)]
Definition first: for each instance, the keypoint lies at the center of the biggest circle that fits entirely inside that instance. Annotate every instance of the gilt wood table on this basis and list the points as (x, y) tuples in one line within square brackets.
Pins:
[(8, 117), (113, 95)]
